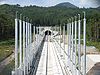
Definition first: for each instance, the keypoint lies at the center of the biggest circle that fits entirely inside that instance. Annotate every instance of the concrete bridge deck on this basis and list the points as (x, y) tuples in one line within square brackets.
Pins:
[(49, 63)]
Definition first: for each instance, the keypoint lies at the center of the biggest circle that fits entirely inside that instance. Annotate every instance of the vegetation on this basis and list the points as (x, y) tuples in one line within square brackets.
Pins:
[(48, 16), (6, 48), (43, 16), (96, 44)]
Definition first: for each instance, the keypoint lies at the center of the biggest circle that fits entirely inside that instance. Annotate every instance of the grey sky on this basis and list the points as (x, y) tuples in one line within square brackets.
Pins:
[(46, 3)]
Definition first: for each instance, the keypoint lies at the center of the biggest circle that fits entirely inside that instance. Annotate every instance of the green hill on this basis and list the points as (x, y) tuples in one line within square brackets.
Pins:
[(47, 16)]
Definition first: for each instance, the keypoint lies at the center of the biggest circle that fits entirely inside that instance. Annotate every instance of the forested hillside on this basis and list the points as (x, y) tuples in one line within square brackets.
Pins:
[(48, 16)]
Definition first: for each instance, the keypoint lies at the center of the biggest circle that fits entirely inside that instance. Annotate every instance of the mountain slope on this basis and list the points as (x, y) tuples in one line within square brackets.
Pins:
[(66, 4), (98, 7)]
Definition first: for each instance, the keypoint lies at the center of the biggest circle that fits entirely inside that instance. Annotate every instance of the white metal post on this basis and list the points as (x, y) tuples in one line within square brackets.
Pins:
[(68, 44), (30, 44), (34, 38), (79, 45), (20, 42), (64, 37), (31, 32), (64, 41), (16, 44), (24, 50), (75, 44), (34, 34), (72, 43), (26, 46), (60, 35), (84, 35)]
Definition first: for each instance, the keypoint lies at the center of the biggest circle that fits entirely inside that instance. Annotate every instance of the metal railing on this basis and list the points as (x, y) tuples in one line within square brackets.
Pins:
[(75, 52), (76, 34), (27, 44), (26, 49)]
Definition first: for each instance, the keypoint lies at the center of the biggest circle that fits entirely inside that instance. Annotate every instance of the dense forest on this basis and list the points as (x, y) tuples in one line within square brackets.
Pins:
[(54, 15)]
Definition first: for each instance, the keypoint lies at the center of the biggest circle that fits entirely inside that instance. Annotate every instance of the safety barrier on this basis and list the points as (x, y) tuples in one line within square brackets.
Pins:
[(27, 44)]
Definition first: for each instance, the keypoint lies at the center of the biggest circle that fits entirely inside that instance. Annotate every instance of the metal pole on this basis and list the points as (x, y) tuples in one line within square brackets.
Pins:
[(34, 37), (75, 44), (16, 44), (84, 44), (20, 42), (27, 45), (60, 35), (72, 43), (79, 45), (68, 43), (64, 36), (24, 50), (30, 44), (64, 41)]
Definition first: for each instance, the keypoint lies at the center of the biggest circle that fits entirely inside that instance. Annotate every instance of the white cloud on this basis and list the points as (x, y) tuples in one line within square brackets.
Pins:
[(87, 3), (2, 2)]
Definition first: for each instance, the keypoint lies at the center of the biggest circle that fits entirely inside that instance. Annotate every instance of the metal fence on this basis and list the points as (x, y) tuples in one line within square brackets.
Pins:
[(76, 40), (27, 43)]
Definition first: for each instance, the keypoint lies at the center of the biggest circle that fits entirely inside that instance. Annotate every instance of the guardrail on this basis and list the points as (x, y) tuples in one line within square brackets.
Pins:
[(27, 44), (75, 57)]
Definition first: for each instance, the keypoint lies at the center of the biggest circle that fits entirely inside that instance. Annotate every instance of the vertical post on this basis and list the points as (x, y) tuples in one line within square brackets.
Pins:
[(29, 45), (31, 32), (72, 43), (60, 35), (79, 45), (26, 46), (68, 43), (24, 50), (84, 44), (28, 32), (16, 44), (38, 34), (20, 41), (64, 36), (64, 41), (34, 34), (69, 26), (31, 42), (75, 44)]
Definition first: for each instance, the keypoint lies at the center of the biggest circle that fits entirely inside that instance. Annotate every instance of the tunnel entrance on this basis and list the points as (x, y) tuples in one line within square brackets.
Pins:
[(47, 32)]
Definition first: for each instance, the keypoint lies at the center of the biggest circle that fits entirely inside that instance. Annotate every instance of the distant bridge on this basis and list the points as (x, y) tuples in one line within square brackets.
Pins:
[(51, 50)]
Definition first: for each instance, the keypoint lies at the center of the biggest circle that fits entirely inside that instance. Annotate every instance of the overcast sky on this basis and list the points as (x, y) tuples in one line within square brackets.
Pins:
[(46, 3)]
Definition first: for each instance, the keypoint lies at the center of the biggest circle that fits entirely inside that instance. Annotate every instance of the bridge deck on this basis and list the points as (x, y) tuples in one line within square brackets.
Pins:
[(49, 63)]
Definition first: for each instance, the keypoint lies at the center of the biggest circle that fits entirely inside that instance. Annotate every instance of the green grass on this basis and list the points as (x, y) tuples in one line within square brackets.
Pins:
[(96, 44), (7, 70), (6, 48)]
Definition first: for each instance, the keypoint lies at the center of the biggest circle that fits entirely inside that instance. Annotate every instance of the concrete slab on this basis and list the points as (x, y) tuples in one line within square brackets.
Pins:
[(48, 64)]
